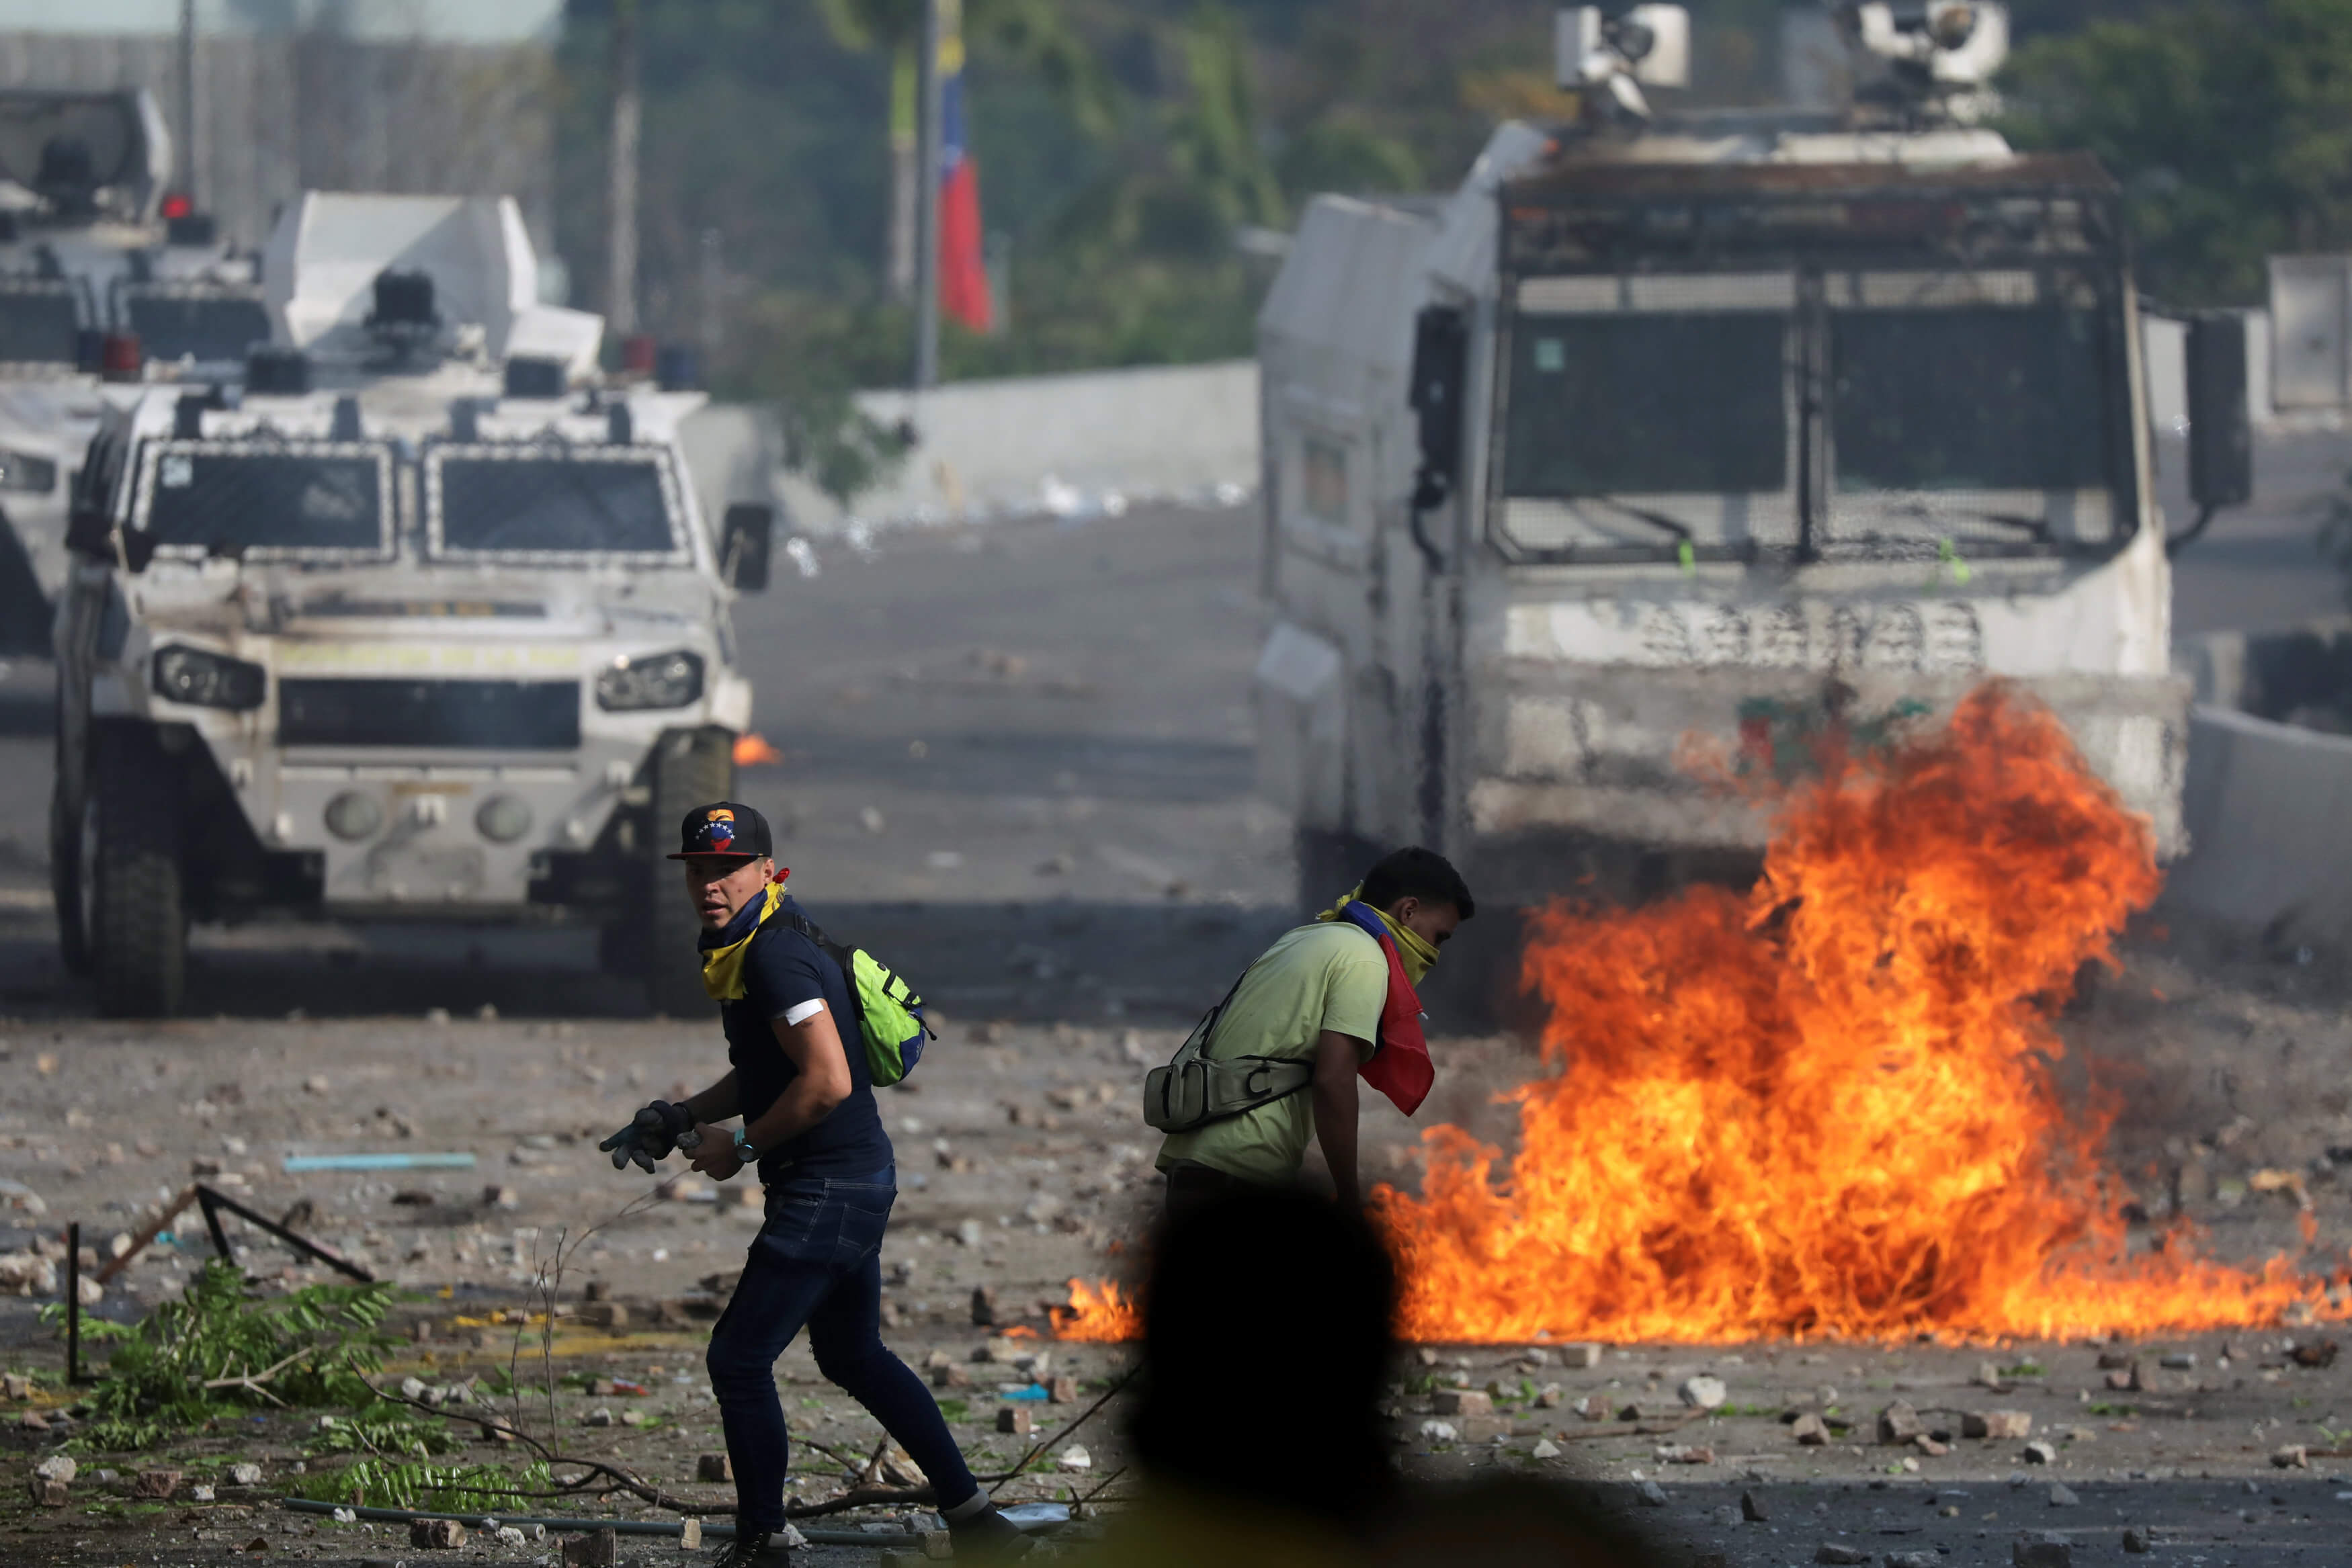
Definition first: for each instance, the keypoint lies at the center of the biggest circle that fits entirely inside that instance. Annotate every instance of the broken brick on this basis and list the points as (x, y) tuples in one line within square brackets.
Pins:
[(1809, 1430), (1465, 1402), (1838, 1552), (154, 1485), (1899, 1423), (952, 1376), (49, 1493), (1998, 1424), (716, 1469), (1013, 1421), (436, 1534), (1063, 1390)]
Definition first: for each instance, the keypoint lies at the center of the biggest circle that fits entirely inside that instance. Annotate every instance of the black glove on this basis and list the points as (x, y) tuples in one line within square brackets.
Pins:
[(650, 1136)]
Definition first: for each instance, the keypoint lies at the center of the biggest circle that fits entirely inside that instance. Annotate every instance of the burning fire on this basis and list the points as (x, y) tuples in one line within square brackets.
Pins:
[(1826, 1107), (1101, 1313), (753, 749)]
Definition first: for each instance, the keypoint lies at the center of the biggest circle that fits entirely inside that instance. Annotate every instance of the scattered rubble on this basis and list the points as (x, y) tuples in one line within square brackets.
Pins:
[(1703, 1393), (437, 1534)]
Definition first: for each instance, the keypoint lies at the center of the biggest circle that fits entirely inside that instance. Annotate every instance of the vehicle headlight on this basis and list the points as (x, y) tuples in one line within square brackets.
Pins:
[(23, 473), (193, 676), (352, 815), (502, 818), (650, 680)]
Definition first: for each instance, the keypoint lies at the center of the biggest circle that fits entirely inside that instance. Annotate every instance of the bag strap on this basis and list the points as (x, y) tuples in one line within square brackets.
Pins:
[(1197, 1042), (794, 920)]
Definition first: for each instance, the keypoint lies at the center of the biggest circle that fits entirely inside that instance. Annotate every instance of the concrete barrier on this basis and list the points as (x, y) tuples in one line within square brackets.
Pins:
[(2269, 811), (1068, 444)]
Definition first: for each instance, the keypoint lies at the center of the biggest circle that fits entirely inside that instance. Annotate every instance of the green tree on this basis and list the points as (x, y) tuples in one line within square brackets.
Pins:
[(2230, 125)]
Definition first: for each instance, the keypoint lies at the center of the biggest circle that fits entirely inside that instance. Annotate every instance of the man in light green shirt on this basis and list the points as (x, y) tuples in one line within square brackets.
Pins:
[(1316, 996)]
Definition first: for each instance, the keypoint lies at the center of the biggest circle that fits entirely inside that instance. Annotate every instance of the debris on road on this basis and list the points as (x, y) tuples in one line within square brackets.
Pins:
[(1703, 1393)]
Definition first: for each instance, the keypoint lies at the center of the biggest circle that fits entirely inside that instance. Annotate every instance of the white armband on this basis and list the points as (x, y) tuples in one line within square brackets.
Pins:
[(801, 1012)]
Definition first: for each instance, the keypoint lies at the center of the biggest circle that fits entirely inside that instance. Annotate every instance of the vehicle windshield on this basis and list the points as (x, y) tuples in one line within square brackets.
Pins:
[(206, 328), (591, 501), (38, 325), (1968, 399), (297, 499), (1648, 404), (1958, 409)]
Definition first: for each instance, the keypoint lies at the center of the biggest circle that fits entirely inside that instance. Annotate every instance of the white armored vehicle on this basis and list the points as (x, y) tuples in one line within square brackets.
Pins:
[(1717, 427), (420, 618), (105, 277)]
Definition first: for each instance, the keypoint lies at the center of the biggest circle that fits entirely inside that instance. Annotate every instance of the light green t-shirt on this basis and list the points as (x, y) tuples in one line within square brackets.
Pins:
[(1327, 976)]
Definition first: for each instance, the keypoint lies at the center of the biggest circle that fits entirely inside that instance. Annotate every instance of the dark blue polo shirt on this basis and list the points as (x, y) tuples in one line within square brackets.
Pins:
[(782, 970)]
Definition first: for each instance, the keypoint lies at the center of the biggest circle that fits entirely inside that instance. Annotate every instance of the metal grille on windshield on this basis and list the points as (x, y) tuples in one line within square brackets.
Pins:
[(556, 505), (285, 500), (39, 325)]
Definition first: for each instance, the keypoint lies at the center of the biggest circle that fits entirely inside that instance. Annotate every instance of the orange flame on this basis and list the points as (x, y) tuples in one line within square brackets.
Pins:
[(753, 750), (1827, 1107), (1102, 1315)]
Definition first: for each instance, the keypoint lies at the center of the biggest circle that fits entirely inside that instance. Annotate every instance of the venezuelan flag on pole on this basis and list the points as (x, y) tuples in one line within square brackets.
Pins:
[(964, 276)]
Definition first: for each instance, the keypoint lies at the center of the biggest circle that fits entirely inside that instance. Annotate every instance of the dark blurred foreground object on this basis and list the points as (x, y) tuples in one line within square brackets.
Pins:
[(1259, 1433), (1277, 1290)]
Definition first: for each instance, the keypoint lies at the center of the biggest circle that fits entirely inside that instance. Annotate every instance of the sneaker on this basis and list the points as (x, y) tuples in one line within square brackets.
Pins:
[(987, 1537), (754, 1548)]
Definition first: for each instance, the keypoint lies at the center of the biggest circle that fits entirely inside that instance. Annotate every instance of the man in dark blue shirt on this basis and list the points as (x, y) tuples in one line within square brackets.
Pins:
[(799, 1080)]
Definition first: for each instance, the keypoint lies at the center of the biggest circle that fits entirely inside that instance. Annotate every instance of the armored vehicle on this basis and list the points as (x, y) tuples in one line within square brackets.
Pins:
[(105, 277), (419, 616), (1676, 437)]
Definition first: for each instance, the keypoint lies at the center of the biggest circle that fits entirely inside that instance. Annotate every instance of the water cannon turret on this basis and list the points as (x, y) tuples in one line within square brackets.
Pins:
[(1613, 57), (1925, 52)]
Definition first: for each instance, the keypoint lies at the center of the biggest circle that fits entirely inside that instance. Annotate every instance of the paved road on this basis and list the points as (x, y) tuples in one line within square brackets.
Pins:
[(1048, 727), (1019, 758), (2258, 567)]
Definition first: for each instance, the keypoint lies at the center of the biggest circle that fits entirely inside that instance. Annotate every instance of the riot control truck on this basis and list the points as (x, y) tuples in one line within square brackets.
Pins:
[(1676, 437), (419, 616), (106, 276)]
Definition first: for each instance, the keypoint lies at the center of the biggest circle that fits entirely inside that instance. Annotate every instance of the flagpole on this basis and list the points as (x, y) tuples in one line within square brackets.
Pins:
[(928, 143)]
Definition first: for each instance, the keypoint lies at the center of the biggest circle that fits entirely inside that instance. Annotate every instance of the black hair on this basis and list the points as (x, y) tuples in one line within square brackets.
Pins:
[(1416, 872)]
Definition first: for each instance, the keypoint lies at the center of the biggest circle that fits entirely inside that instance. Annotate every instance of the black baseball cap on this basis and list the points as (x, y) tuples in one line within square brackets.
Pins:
[(724, 829)]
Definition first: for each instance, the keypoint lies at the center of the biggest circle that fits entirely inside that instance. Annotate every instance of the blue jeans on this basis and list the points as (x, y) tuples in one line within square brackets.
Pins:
[(818, 1261)]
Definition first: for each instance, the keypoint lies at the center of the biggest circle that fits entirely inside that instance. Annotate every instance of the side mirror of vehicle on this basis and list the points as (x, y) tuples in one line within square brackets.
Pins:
[(743, 545), (1441, 341), (2221, 426)]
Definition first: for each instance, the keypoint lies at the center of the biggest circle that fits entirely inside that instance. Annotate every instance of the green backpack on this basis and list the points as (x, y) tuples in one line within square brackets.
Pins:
[(889, 1013)]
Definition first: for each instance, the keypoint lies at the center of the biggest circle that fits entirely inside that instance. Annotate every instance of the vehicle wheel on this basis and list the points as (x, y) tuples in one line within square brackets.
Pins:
[(137, 920), (68, 859), (691, 767)]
